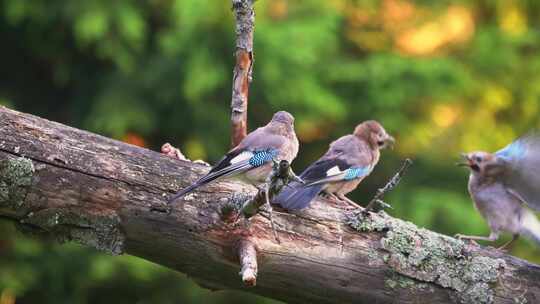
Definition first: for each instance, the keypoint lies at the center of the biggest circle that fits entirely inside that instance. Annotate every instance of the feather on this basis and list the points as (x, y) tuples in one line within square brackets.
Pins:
[(333, 171), (346, 175), (324, 168), (245, 155), (233, 163), (297, 195), (522, 162)]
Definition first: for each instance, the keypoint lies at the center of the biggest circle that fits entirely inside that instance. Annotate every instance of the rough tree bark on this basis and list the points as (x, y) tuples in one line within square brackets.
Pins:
[(245, 20), (109, 195)]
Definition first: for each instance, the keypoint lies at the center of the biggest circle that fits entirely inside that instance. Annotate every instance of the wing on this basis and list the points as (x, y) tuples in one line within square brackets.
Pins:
[(345, 160), (333, 170), (522, 163), (298, 196), (235, 162)]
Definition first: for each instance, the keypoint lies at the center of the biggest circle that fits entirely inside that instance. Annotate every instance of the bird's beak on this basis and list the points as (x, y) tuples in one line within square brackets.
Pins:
[(389, 142), (465, 161)]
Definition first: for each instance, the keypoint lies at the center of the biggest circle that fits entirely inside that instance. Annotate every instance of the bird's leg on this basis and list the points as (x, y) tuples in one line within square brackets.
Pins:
[(333, 197), (337, 199), (491, 238), (270, 212), (349, 201), (507, 244)]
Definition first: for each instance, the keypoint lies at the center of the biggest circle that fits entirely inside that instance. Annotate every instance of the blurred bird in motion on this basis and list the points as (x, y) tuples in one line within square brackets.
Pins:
[(348, 160), (502, 183), (251, 161)]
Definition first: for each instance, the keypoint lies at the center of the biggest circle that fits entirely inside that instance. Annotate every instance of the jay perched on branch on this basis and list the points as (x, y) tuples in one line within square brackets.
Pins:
[(251, 160), (347, 162)]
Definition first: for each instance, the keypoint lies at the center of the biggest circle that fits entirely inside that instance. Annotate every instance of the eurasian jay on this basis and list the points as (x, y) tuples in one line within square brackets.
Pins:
[(502, 183), (251, 161), (347, 162)]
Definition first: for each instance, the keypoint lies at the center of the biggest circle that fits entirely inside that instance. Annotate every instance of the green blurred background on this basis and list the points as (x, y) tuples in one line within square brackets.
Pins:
[(442, 76)]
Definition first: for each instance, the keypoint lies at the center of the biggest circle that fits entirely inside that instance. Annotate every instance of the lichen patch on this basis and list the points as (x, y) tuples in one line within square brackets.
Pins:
[(99, 230), (430, 257), (15, 177)]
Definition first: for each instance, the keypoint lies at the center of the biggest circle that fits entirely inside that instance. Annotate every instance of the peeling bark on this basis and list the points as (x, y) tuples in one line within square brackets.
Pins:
[(83, 187), (245, 21)]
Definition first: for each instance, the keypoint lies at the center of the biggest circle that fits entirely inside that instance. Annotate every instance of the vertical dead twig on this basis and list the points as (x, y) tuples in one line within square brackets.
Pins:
[(245, 21), (394, 181)]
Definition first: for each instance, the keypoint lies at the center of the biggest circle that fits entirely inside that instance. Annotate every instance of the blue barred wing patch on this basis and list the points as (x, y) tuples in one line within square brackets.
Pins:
[(260, 158), (356, 172), (512, 151)]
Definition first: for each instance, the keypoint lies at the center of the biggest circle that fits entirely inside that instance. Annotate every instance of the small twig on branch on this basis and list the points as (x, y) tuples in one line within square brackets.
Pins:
[(171, 151), (281, 175), (247, 255), (392, 183), (245, 21)]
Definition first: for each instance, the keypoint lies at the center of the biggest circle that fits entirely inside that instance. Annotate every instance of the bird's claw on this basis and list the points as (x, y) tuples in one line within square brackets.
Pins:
[(464, 238), (377, 205), (502, 249)]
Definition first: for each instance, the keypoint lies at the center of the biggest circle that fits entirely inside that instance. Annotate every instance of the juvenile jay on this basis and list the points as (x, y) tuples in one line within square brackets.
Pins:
[(347, 162), (251, 160), (502, 183)]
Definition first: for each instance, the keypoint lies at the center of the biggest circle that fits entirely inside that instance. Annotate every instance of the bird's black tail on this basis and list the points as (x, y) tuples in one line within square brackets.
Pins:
[(183, 192), (296, 195), (201, 182), (219, 171)]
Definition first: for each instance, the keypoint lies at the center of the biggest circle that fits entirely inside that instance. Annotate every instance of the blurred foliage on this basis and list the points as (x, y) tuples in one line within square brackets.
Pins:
[(442, 76)]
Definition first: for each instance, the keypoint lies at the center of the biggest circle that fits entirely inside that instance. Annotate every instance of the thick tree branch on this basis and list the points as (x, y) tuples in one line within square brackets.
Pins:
[(79, 186), (245, 21)]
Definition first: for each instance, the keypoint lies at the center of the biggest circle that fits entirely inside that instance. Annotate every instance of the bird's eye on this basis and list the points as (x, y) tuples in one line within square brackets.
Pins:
[(478, 159)]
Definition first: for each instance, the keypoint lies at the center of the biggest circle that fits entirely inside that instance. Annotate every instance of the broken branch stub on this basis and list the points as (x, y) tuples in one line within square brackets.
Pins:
[(247, 254)]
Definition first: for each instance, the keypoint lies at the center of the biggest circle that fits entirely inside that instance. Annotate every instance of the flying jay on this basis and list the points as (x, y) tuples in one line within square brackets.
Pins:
[(347, 162), (251, 161), (502, 183)]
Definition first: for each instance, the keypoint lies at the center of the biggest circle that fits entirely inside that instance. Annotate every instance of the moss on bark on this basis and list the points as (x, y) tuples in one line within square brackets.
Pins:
[(16, 175), (431, 257), (99, 230)]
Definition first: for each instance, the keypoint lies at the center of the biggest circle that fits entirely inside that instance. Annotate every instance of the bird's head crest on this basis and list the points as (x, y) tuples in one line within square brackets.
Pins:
[(374, 133), (284, 117)]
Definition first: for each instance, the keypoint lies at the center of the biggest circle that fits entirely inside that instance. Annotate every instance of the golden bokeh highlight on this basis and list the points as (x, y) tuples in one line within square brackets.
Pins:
[(7, 297), (511, 19), (455, 26)]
